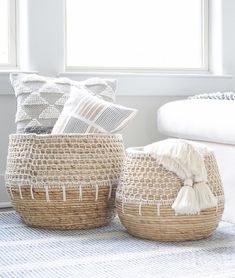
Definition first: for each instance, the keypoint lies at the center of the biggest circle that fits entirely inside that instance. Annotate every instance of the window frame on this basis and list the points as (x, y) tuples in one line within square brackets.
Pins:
[(204, 58), (12, 55)]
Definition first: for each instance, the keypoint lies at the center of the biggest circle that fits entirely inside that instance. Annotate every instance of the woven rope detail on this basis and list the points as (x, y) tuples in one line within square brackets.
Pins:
[(144, 182), (66, 161)]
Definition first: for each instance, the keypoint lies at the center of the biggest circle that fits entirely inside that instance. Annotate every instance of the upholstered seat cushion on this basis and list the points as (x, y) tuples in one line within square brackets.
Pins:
[(199, 119)]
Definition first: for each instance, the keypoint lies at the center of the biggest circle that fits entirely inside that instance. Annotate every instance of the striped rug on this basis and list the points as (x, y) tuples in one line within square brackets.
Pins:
[(109, 252)]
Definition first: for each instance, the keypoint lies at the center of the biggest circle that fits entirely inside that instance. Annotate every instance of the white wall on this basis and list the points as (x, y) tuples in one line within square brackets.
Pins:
[(42, 50)]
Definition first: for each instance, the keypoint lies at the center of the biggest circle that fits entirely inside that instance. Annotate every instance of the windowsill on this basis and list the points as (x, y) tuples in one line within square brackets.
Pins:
[(129, 74), (146, 74), (145, 84), (8, 71)]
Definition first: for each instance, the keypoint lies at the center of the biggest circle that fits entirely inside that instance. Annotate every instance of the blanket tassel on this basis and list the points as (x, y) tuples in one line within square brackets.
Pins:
[(204, 195), (186, 201)]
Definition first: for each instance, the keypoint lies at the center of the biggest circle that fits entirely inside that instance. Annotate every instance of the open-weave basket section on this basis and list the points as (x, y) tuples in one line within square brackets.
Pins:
[(146, 193), (64, 181)]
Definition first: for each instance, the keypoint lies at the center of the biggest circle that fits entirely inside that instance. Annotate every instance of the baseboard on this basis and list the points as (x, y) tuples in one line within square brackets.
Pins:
[(4, 197), (5, 205)]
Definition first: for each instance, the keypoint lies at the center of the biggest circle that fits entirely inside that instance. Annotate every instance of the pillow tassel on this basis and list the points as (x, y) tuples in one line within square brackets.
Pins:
[(204, 195), (186, 201)]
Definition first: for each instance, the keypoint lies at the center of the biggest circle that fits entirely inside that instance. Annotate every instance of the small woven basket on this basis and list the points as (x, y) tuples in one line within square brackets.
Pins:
[(146, 193), (64, 181)]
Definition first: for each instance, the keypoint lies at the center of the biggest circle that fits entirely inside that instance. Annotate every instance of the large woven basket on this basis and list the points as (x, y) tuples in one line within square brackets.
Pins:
[(64, 181), (146, 193)]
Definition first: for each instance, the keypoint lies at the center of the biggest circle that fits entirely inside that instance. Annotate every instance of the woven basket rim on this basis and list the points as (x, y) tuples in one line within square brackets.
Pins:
[(136, 150), (141, 152), (64, 135)]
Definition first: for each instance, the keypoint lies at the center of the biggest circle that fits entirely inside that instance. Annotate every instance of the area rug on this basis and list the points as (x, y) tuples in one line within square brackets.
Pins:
[(109, 252)]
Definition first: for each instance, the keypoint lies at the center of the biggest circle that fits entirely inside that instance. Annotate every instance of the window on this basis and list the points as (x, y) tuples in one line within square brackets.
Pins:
[(152, 35), (7, 31)]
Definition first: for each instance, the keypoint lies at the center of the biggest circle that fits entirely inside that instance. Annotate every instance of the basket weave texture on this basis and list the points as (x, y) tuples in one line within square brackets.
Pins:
[(146, 193), (64, 181)]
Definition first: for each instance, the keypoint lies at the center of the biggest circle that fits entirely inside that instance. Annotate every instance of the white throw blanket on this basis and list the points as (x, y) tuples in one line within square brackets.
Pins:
[(186, 160)]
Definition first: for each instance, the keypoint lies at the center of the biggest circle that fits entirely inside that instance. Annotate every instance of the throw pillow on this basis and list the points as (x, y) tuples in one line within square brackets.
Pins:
[(85, 113), (40, 99), (218, 95)]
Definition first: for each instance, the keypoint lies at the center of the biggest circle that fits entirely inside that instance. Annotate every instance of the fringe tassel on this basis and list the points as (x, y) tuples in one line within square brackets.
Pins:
[(64, 193), (186, 201), (110, 190), (123, 210), (158, 209), (140, 209), (47, 194), (31, 192), (10, 189), (20, 192), (96, 192), (205, 197), (80, 193), (191, 200)]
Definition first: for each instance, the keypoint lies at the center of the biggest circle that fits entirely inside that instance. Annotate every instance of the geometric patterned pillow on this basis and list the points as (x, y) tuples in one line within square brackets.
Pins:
[(85, 113), (40, 99)]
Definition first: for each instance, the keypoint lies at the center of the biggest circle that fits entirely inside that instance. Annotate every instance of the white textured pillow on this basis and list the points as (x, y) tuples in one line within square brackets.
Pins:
[(85, 113), (40, 99)]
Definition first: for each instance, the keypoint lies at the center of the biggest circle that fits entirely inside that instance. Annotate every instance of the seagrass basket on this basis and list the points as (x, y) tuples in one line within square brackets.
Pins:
[(146, 193), (64, 181)]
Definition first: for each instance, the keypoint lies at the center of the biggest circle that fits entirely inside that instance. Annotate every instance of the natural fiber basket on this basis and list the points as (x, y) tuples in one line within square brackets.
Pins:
[(147, 191), (64, 181)]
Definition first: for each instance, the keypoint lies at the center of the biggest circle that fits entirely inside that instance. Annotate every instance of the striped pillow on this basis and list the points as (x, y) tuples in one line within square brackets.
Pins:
[(85, 113)]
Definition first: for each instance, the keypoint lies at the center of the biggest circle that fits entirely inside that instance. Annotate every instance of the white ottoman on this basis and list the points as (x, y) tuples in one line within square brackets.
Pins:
[(210, 121)]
